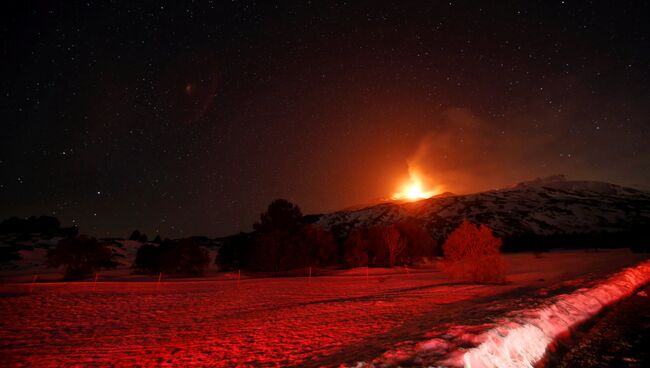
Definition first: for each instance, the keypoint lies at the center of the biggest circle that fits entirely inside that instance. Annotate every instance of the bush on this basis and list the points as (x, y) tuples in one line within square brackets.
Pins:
[(420, 244), (316, 247), (81, 256), (356, 249), (184, 257), (472, 253), (378, 255), (137, 236), (235, 252), (274, 251), (396, 244), (147, 260), (377, 246)]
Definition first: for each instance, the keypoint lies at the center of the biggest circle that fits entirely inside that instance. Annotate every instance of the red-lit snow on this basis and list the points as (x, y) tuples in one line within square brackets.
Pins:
[(389, 318)]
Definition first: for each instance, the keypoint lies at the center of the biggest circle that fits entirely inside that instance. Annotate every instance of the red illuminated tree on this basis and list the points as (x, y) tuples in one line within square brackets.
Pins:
[(395, 242), (472, 253), (356, 249)]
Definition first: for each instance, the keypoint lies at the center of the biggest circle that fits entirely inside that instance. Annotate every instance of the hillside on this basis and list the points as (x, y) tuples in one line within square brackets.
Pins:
[(542, 207)]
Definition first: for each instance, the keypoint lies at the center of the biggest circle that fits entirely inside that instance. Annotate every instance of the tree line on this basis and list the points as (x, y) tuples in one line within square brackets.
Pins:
[(283, 240)]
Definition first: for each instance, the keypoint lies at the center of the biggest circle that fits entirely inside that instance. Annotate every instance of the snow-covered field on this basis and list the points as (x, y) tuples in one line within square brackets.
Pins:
[(390, 317)]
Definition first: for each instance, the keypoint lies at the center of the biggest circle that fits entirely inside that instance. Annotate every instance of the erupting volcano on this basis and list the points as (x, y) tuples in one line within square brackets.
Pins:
[(413, 189), (325, 184)]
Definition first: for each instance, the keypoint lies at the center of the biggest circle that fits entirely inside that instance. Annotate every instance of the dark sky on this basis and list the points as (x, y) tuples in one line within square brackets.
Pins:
[(185, 119)]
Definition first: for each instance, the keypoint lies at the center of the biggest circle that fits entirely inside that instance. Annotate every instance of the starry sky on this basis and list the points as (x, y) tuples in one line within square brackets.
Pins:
[(187, 118)]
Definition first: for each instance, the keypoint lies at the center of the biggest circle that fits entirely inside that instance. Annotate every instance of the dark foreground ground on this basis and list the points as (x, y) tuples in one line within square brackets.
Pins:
[(620, 338)]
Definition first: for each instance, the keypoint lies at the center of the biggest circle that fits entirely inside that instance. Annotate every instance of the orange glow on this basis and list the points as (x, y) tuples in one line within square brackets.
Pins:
[(413, 190)]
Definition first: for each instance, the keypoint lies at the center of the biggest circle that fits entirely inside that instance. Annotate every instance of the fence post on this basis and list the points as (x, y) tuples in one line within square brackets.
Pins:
[(95, 283), (158, 283), (33, 283)]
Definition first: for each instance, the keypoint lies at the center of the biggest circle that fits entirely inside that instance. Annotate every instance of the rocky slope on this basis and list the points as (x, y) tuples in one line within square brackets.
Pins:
[(547, 206)]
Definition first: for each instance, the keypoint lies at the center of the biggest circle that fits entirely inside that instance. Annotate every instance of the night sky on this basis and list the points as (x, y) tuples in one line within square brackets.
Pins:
[(188, 119)]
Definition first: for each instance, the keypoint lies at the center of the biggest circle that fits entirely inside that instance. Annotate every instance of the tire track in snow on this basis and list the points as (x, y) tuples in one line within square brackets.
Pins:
[(522, 337)]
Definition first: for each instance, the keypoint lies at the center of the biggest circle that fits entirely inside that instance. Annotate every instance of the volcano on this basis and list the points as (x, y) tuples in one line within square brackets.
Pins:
[(545, 206)]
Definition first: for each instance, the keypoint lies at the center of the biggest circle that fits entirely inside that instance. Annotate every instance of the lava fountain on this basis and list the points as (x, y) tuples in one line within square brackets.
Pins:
[(413, 189)]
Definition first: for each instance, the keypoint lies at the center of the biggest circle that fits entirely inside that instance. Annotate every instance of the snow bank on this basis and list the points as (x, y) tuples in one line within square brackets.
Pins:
[(532, 331)]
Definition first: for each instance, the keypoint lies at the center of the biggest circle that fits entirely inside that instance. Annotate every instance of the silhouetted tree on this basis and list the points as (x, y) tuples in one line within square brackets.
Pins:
[(378, 252), (275, 246), (235, 252), (472, 253), (184, 257), (316, 245), (135, 235), (274, 251), (81, 256), (147, 260), (356, 248), (395, 242), (419, 242), (281, 215), (372, 246), (340, 234)]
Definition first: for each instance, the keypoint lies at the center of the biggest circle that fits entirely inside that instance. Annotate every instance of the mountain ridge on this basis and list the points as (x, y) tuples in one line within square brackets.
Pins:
[(544, 206)]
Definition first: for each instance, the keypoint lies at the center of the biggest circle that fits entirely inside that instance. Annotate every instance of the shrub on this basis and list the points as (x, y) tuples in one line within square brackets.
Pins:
[(273, 251), (147, 260), (395, 242), (472, 253), (356, 249), (378, 255), (184, 257), (420, 244), (81, 256), (316, 245), (234, 253), (135, 235)]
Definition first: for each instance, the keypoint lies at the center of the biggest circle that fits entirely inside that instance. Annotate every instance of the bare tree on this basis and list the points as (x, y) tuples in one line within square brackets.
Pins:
[(395, 242), (472, 253)]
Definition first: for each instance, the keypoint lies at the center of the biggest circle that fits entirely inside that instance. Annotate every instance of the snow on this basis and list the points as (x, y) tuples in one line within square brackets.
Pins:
[(545, 206), (341, 319), (526, 343), (524, 336)]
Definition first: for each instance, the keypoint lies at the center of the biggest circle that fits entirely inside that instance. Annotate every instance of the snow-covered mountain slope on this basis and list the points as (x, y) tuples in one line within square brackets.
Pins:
[(544, 206)]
